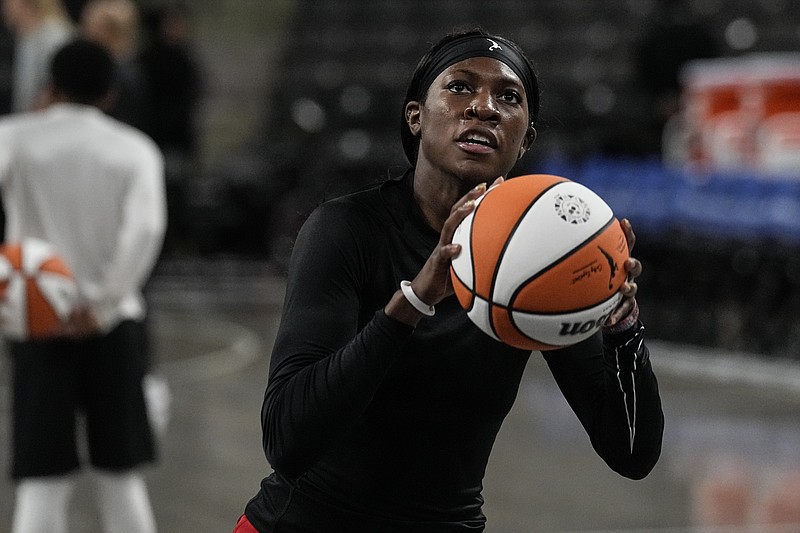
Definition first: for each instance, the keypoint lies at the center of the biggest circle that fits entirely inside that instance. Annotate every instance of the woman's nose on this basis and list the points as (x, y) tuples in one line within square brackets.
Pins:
[(482, 108)]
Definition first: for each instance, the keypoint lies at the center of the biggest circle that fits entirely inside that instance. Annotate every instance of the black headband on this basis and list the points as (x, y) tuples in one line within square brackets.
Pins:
[(479, 46)]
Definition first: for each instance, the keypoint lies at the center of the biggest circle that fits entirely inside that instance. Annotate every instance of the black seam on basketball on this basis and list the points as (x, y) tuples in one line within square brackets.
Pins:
[(499, 261), (471, 289), (549, 267), (508, 310), (554, 313), (472, 256)]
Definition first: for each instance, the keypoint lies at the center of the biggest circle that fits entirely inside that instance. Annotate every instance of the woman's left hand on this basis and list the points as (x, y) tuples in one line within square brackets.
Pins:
[(629, 288)]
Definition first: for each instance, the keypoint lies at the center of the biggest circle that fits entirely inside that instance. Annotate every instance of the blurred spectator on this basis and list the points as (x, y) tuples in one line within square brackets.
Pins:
[(39, 28), (175, 79), (676, 36), (114, 24)]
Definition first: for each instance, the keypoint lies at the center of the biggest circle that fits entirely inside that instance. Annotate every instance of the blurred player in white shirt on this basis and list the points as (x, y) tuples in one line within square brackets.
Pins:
[(94, 188)]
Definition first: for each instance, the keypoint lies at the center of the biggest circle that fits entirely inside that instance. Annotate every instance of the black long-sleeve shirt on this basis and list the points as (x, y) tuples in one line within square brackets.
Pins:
[(375, 426)]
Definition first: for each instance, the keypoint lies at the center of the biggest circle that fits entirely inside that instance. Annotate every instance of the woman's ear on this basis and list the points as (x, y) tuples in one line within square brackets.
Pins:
[(412, 117), (530, 136)]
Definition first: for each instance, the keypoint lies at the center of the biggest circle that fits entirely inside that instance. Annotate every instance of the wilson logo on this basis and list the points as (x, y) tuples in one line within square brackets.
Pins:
[(578, 328)]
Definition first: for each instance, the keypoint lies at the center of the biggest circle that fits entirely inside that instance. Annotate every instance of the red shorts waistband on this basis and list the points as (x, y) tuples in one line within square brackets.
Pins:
[(244, 526)]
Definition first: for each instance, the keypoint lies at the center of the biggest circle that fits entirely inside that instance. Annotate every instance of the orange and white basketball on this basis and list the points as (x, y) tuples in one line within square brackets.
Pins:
[(37, 289), (541, 262)]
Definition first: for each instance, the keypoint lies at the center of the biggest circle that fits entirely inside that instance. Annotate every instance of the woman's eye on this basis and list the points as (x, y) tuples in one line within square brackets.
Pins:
[(511, 97), (458, 87)]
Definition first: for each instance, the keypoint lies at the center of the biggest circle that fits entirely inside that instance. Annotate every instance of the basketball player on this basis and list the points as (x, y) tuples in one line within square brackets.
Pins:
[(94, 188), (383, 403)]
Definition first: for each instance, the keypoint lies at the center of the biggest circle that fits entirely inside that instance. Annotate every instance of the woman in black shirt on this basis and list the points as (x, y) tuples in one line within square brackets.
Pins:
[(380, 418)]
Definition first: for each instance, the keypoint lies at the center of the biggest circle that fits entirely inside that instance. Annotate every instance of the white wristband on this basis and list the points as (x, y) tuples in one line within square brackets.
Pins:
[(414, 300)]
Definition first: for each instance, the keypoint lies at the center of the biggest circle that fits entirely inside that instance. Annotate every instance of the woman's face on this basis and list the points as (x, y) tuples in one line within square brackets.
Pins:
[(474, 122)]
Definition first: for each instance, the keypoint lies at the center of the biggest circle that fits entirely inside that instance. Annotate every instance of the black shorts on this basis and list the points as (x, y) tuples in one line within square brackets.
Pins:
[(100, 377)]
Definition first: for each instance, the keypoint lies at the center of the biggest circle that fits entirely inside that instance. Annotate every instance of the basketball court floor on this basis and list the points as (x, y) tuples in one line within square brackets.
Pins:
[(731, 457)]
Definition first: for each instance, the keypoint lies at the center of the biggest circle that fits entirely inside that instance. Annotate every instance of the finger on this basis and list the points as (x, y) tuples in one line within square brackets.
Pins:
[(476, 192), (633, 267), (457, 215), (620, 312), (473, 194), (629, 289), (630, 236)]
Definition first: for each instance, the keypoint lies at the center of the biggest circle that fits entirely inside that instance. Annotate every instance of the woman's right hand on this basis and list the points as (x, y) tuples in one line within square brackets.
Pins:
[(433, 284)]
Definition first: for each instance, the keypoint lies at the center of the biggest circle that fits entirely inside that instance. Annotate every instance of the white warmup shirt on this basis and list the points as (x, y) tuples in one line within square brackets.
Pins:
[(94, 188)]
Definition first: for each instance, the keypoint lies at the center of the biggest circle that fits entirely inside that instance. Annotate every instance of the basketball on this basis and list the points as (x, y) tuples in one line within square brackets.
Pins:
[(37, 290), (541, 262)]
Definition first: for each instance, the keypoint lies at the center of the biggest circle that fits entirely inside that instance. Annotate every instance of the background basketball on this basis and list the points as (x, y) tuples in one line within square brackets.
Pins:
[(37, 290), (541, 262)]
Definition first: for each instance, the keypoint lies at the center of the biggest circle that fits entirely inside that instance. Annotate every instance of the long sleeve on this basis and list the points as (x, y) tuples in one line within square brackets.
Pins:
[(140, 234), (325, 367), (611, 386), (6, 151)]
